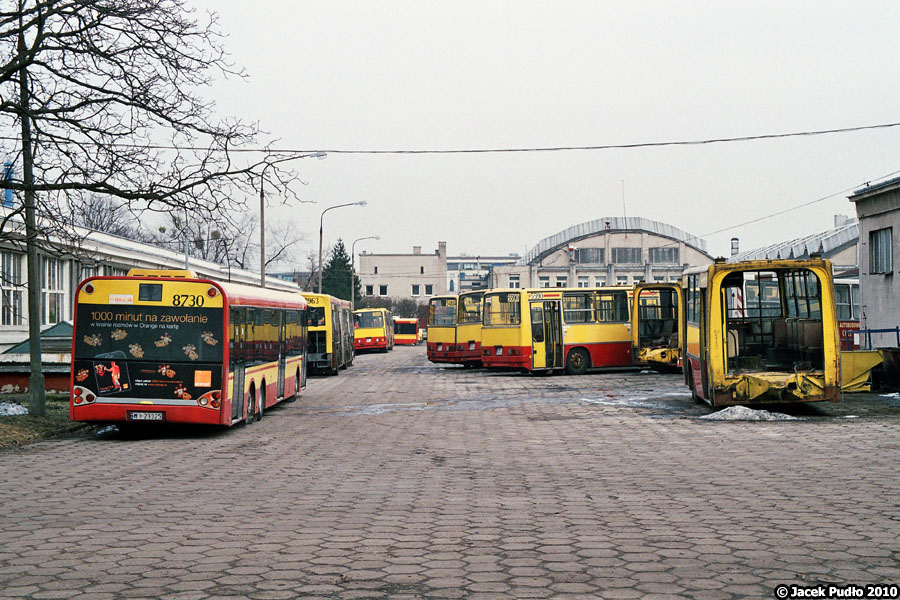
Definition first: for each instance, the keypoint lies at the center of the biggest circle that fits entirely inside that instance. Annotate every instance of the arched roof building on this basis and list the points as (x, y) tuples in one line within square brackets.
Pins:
[(606, 251)]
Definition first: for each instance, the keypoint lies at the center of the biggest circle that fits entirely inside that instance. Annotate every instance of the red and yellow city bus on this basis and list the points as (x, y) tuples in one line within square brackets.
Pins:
[(166, 346), (373, 329), (328, 326), (655, 319), (557, 328), (468, 328), (406, 331), (441, 341), (761, 332)]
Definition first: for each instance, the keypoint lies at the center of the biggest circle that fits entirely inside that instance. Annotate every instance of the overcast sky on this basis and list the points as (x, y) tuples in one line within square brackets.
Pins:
[(425, 75)]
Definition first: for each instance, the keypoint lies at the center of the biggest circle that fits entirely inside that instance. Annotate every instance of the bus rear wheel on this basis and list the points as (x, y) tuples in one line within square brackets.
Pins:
[(577, 362), (251, 401)]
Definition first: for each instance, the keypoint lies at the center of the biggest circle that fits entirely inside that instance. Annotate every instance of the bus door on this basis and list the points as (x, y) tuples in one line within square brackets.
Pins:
[(238, 318), (337, 340), (546, 334), (282, 340)]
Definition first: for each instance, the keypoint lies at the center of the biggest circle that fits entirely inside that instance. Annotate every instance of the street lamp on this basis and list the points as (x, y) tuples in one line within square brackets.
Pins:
[(321, 220), (262, 214), (353, 264)]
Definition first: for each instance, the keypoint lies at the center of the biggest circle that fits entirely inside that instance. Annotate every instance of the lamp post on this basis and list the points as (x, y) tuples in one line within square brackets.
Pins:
[(353, 265), (321, 221), (262, 214)]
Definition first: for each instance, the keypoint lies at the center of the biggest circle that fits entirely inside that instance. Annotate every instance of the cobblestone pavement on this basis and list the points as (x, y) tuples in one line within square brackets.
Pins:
[(402, 479)]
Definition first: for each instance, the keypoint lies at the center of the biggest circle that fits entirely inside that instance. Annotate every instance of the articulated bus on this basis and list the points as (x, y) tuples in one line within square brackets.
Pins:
[(373, 329), (165, 346), (761, 332), (556, 328), (441, 343), (330, 346), (406, 331), (655, 318), (468, 328)]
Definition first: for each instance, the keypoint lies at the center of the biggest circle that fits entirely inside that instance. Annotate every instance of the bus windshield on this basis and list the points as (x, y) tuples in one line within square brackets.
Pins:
[(442, 312), (502, 309), (404, 328), (366, 320)]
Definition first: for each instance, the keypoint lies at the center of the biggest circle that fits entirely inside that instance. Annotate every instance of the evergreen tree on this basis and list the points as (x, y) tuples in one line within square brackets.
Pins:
[(336, 273)]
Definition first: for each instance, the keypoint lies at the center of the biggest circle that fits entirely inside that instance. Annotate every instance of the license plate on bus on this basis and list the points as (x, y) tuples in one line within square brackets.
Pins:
[(368, 340), (146, 416), (499, 351)]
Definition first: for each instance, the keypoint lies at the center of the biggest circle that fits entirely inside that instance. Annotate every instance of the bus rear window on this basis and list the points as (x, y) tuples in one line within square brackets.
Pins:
[(502, 309), (150, 292), (367, 320)]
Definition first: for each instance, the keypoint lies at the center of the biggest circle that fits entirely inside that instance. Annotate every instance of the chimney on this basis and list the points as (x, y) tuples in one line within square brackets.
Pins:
[(417, 249), (735, 246), (442, 249)]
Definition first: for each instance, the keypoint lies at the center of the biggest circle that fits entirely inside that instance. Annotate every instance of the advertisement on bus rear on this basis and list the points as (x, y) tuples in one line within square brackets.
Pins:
[(148, 351)]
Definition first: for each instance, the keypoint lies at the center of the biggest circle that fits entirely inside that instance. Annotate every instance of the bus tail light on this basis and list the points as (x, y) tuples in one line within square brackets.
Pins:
[(212, 292), (89, 288)]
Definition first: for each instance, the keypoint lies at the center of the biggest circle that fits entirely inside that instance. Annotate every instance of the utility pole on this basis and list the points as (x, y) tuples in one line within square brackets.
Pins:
[(36, 381)]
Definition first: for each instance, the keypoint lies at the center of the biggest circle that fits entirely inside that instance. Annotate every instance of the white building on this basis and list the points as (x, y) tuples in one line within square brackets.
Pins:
[(400, 276), (64, 268), (608, 251)]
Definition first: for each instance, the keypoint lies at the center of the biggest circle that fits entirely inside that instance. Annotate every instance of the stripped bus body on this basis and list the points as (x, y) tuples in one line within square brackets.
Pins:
[(373, 330), (441, 340), (557, 328), (655, 319), (327, 318), (166, 346), (761, 332)]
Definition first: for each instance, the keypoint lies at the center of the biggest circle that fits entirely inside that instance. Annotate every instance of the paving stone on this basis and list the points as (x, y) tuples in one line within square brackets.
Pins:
[(405, 480)]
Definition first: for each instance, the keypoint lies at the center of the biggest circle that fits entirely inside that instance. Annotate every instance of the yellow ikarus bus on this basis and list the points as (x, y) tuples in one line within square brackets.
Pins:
[(441, 346), (468, 328), (655, 318), (556, 328), (327, 318), (373, 329), (761, 332), (165, 346)]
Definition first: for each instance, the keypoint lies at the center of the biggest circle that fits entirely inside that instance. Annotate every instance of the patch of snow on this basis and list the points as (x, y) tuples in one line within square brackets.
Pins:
[(742, 413), (11, 408), (107, 430), (849, 417), (9, 389), (648, 372), (894, 395)]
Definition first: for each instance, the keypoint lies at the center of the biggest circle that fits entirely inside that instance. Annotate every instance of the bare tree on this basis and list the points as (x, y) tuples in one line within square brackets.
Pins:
[(106, 95)]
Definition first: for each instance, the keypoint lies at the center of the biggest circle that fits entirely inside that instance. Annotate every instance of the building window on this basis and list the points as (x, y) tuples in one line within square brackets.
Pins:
[(370, 290), (544, 281), (12, 291), (599, 281), (584, 281), (415, 289), (514, 282), (382, 290), (659, 278), (429, 289), (52, 293), (664, 256), (115, 271), (376, 270), (88, 271), (880, 259), (421, 270), (562, 281), (621, 279), (591, 256), (630, 256)]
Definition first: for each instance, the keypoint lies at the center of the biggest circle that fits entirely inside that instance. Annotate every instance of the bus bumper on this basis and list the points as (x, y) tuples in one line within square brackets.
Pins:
[(120, 413), (776, 388), (367, 343), (513, 357)]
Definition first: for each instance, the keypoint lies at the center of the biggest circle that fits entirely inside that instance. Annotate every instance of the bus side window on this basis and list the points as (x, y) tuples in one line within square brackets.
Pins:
[(537, 324)]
